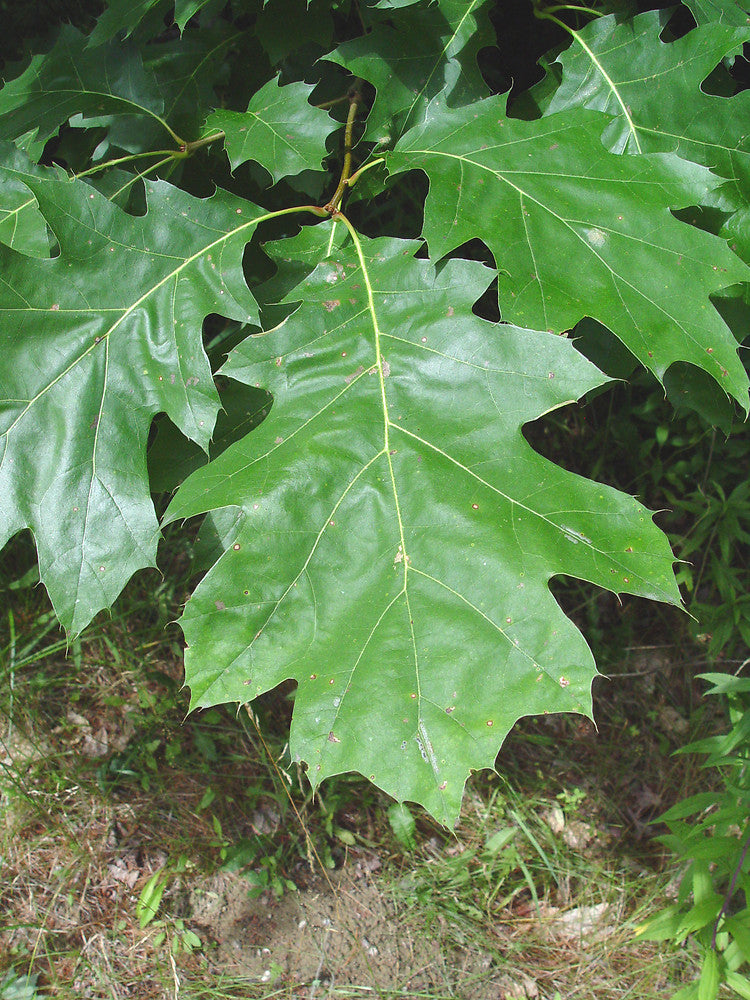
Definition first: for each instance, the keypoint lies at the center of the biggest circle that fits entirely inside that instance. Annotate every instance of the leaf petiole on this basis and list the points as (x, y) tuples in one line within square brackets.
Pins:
[(351, 181), (545, 12), (185, 149), (169, 153), (190, 147)]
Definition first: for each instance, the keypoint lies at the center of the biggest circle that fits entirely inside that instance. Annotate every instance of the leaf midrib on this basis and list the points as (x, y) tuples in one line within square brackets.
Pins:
[(403, 591), (567, 224), (130, 309), (469, 11)]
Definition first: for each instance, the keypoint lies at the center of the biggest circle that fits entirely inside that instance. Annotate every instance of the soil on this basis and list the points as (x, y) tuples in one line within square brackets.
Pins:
[(341, 933)]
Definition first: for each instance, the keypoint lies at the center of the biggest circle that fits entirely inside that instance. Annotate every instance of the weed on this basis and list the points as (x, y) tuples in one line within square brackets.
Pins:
[(15, 987), (710, 834)]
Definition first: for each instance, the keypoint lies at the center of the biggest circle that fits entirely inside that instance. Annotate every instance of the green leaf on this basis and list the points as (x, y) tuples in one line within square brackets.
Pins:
[(185, 9), (719, 11), (184, 73), (708, 984), (392, 4), (397, 532), (725, 683), (402, 824), (127, 15), (121, 16), (663, 927), (702, 914), (280, 130), (150, 899), (689, 388), (15, 987), (689, 807), (72, 79), (740, 931), (22, 225), (652, 90), (407, 75), (577, 231), (171, 458), (689, 992), (95, 342), (740, 984), (737, 230), (289, 27)]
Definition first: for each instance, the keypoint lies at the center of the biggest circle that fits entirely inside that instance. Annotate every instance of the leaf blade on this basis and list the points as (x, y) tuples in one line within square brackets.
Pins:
[(371, 512), (280, 130), (72, 79), (577, 231), (98, 340), (451, 33), (653, 90)]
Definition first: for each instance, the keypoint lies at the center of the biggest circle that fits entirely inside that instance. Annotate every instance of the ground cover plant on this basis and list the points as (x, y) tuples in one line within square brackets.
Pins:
[(350, 269)]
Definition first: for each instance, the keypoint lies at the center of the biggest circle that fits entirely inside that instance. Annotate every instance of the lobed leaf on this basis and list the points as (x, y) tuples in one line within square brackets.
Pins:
[(72, 79), (22, 225), (396, 533), (185, 73), (652, 90), (285, 28), (95, 342), (280, 130), (124, 16), (185, 9), (719, 11), (121, 16), (577, 231), (407, 76)]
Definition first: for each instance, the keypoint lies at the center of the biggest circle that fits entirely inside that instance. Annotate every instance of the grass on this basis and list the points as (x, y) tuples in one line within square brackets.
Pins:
[(117, 812)]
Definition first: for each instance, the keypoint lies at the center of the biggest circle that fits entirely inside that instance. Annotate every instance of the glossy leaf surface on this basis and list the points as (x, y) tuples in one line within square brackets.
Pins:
[(577, 231), (95, 342), (734, 12), (653, 91), (397, 533), (185, 73), (377, 527), (72, 79), (406, 76), (280, 130), (22, 225)]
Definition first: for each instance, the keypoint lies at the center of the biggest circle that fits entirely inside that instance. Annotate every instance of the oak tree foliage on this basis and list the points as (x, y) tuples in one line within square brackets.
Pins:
[(207, 228)]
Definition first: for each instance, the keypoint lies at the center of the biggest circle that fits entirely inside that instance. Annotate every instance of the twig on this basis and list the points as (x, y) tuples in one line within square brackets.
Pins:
[(355, 99)]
